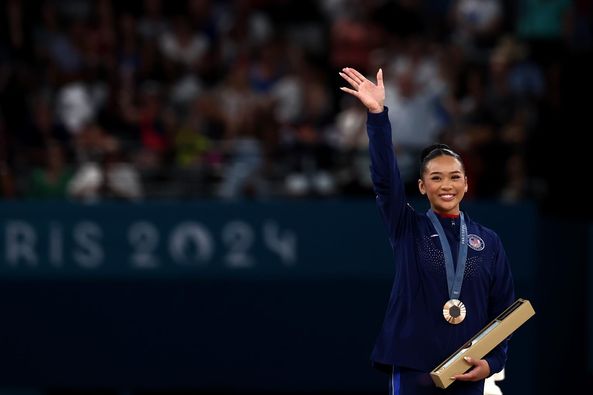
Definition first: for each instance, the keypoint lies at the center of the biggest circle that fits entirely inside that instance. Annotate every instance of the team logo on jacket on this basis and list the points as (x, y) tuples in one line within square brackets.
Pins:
[(475, 242)]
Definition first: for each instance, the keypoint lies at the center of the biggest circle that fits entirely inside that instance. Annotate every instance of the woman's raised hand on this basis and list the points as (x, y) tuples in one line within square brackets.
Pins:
[(370, 94)]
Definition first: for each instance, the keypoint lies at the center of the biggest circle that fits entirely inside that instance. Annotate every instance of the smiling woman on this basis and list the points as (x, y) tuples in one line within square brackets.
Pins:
[(430, 315)]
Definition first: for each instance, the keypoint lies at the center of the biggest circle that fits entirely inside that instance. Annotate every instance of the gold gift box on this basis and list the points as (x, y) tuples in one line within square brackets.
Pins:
[(483, 342)]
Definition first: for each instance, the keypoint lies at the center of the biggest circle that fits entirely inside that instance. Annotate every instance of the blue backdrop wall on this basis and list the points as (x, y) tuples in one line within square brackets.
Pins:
[(210, 295)]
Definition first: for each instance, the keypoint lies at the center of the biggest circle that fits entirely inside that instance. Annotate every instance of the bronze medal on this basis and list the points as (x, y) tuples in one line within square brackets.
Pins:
[(454, 311)]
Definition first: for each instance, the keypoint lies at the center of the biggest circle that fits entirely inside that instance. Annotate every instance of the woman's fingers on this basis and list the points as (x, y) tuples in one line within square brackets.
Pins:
[(479, 371), (349, 79), (357, 76), (348, 90), (380, 78), (469, 376), (354, 75)]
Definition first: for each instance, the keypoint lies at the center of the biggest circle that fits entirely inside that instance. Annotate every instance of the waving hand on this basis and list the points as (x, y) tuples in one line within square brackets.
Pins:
[(370, 94)]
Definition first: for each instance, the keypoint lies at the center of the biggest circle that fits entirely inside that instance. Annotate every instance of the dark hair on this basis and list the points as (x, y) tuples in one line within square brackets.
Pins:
[(435, 150)]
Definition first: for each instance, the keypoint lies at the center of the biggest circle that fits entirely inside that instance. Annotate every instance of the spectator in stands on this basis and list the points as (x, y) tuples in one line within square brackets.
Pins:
[(413, 112), (50, 181), (104, 172), (476, 25)]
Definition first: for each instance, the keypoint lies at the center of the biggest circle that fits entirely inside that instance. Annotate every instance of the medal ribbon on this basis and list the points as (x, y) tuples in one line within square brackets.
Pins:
[(454, 277)]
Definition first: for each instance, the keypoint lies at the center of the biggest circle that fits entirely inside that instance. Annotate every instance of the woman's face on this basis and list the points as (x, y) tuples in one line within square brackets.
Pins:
[(444, 183)]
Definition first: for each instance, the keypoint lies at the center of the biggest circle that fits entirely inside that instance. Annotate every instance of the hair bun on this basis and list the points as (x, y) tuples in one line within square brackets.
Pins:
[(426, 151)]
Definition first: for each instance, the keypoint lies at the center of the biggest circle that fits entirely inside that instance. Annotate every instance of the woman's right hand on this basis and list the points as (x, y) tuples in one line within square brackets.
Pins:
[(371, 95)]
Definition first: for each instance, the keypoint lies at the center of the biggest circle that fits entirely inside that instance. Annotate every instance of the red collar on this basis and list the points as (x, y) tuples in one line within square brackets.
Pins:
[(447, 215)]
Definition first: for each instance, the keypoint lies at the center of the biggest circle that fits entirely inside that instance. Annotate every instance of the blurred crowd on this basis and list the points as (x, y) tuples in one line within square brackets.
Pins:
[(223, 99)]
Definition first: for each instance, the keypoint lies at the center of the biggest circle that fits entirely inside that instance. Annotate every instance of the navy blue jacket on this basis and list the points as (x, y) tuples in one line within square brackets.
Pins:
[(414, 333)]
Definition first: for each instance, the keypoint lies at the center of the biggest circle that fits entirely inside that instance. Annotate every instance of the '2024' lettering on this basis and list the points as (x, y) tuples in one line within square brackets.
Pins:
[(188, 243)]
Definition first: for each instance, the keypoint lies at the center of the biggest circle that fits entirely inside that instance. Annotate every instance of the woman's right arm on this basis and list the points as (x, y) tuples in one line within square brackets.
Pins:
[(387, 182)]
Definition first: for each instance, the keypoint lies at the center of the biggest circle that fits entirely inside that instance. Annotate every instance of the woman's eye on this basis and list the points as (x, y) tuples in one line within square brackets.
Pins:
[(435, 178)]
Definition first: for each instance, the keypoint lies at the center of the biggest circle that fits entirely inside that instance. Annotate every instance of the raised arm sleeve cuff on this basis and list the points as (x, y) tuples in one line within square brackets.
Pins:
[(376, 120)]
